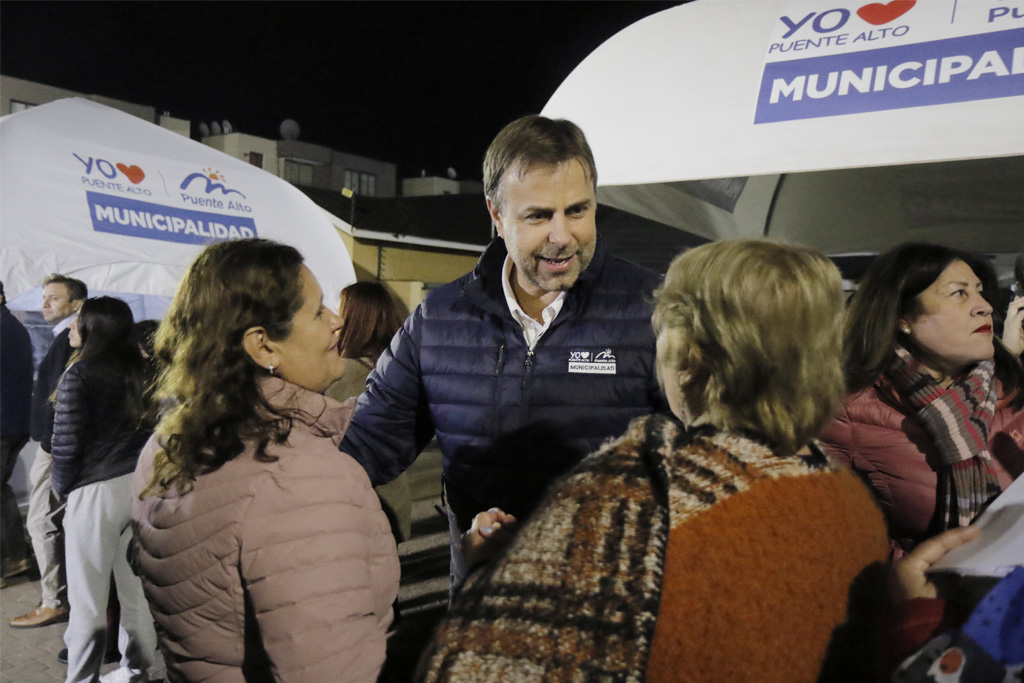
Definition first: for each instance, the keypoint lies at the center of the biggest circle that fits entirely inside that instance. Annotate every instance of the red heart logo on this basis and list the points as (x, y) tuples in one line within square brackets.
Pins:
[(133, 173), (877, 14)]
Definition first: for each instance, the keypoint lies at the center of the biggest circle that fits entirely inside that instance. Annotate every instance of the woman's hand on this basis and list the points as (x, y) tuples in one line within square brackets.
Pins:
[(491, 531), (907, 579), (1013, 327)]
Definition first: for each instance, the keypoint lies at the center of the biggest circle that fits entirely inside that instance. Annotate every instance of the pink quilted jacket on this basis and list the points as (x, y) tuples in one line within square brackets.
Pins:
[(877, 437), (280, 571)]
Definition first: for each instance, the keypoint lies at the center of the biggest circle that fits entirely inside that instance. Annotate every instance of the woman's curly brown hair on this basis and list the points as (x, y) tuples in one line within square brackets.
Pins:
[(208, 386)]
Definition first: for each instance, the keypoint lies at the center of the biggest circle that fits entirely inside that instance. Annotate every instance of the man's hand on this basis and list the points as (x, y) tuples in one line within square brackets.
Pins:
[(490, 533), (907, 579)]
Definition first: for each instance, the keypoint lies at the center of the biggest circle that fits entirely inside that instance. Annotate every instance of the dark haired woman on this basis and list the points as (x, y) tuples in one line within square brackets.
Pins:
[(368, 322), (933, 421), (99, 427), (263, 550)]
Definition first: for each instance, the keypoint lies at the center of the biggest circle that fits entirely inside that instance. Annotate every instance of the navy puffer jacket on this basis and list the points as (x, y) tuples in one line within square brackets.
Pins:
[(50, 369), (91, 441), (509, 421)]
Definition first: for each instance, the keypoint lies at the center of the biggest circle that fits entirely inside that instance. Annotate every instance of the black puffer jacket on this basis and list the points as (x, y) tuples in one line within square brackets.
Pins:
[(509, 421), (91, 440), (50, 370)]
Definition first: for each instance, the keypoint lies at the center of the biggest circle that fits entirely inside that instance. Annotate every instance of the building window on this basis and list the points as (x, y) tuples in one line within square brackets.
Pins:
[(298, 173), (256, 159), (17, 106), (361, 183)]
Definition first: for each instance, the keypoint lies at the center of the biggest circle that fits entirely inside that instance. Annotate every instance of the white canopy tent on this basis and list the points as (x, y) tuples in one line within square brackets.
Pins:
[(125, 206), (847, 126)]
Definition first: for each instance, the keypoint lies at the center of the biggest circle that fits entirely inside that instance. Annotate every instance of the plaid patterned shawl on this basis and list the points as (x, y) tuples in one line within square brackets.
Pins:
[(577, 594)]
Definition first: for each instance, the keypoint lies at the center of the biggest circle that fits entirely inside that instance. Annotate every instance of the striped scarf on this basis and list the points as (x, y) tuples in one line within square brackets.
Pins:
[(958, 419)]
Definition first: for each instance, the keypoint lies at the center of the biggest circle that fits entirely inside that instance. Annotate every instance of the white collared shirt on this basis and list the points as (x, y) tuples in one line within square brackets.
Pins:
[(532, 330), (63, 324)]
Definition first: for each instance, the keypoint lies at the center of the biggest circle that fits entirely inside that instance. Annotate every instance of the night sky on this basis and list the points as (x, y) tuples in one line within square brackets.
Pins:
[(425, 85)]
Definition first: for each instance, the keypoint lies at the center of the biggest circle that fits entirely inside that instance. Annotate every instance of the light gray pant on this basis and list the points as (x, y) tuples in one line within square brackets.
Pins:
[(97, 526), (45, 527)]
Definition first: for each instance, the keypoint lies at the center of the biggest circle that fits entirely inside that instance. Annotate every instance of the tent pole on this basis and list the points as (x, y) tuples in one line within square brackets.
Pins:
[(771, 206)]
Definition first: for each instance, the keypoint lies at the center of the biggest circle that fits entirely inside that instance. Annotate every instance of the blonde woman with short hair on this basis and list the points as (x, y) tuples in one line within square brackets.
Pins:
[(716, 543)]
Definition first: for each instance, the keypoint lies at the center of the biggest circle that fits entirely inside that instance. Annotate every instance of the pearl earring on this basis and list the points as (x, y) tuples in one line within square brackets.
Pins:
[(270, 369)]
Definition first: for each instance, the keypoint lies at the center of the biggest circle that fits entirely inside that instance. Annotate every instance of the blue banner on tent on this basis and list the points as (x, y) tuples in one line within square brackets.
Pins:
[(978, 67), (131, 217)]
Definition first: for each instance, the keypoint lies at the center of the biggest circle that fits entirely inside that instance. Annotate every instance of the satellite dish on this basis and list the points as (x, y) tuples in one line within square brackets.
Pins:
[(451, 173), (204, 130), (226, 125), (290, 129), (215, 128)]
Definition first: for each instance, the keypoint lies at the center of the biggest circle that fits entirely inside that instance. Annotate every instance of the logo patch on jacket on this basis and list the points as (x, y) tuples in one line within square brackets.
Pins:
[(588, 362)]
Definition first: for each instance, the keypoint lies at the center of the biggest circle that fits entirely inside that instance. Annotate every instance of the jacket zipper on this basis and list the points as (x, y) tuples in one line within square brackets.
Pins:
[(499, 366), (499, 370), (528, 368), (524, 403)]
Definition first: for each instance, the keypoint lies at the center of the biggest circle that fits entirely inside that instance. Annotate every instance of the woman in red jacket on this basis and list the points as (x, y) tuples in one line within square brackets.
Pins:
[(933, 421)]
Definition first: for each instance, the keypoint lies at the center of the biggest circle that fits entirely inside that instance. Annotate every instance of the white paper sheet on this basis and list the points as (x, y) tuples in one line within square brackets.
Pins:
[(1000, 548)]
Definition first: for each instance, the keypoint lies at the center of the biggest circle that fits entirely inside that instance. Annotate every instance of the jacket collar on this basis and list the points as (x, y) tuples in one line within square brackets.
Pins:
[(485, 290), (310, 412)]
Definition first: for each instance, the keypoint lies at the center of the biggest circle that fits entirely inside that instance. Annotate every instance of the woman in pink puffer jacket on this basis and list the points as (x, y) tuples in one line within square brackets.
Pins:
[(263, 550)]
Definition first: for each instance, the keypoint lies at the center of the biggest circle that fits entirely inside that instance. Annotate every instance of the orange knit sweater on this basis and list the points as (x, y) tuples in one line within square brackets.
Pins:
[(755, 585)]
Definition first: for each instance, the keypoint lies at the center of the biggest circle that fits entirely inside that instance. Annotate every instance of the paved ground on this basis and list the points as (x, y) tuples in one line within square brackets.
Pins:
[(30, 655)]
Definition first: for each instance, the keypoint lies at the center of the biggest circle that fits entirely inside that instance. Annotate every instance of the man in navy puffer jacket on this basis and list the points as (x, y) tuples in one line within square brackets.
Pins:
[(62, 297), (527, 364)]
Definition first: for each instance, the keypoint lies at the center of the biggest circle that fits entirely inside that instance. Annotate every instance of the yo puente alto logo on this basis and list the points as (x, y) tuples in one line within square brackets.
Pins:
[(591, 363), (214, 181), (109, 170), (830, 21), (103, 174)]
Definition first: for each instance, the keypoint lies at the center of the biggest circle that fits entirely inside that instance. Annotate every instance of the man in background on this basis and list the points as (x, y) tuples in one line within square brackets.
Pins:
[(15, 410), (62, 298)]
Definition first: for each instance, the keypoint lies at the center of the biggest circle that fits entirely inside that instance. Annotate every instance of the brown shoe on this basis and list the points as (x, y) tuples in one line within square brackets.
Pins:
[(41, 616)]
